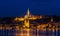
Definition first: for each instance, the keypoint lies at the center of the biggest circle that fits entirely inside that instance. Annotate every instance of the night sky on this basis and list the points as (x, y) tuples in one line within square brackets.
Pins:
[(12, 8)]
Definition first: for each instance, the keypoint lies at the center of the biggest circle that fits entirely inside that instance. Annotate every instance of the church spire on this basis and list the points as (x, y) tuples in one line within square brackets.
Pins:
[(28, 12)]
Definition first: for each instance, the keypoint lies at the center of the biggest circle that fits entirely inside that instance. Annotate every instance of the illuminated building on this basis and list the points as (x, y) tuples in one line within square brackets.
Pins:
[(26, 19)]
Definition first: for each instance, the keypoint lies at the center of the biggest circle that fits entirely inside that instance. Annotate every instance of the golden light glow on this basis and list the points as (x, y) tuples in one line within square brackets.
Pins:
[(17, 27), (19, 19), (41, 17), (1, 27)]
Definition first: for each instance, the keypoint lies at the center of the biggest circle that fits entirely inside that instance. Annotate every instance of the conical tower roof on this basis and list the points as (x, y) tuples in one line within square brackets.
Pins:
[(28, 12)]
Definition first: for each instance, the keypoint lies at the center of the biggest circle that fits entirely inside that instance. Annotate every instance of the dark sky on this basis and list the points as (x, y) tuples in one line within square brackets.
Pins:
[(13, 8)]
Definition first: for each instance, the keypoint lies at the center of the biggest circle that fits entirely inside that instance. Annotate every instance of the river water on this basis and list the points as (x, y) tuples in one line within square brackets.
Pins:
[(29, 32)]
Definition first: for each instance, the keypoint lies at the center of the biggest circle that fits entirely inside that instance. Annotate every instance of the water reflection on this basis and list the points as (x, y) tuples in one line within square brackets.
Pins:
[(36, 32), (29, 32)]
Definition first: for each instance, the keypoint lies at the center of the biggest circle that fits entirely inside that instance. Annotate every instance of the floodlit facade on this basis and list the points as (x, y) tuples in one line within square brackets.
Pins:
[(26, 19)]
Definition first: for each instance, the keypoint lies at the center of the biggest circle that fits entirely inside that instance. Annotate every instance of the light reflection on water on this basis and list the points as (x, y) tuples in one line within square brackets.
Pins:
[(29, 32)]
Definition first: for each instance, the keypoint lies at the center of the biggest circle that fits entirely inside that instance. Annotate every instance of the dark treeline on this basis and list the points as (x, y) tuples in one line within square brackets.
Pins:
[(6, 20)]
